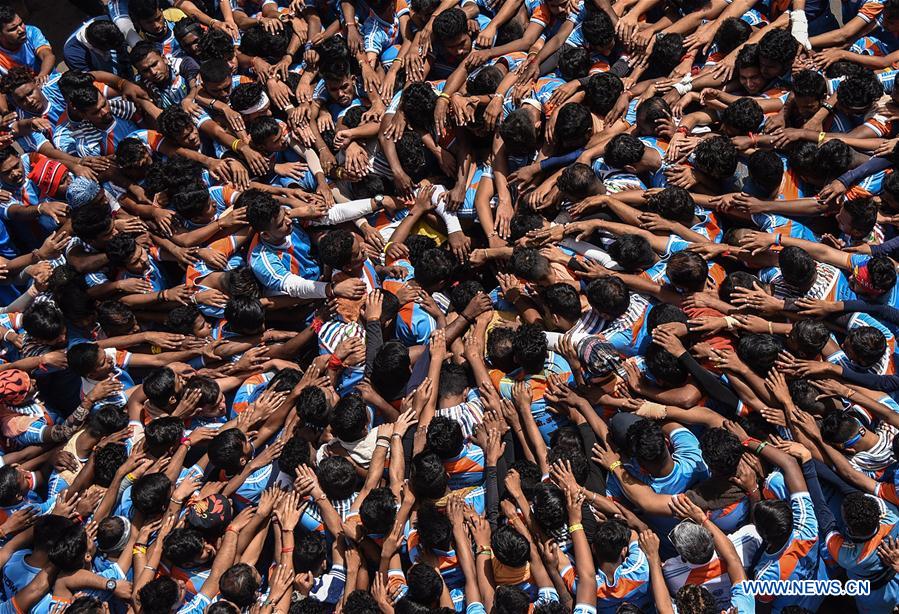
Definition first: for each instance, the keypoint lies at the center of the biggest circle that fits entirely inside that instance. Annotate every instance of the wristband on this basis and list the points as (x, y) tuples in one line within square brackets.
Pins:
[(286, 550), (778, 238), (335, 363), (487, 551), (750, 441), (761, 447), (185, 441), (8, 330), (821, 136), (682, 130), (575, 527), (614, 466)]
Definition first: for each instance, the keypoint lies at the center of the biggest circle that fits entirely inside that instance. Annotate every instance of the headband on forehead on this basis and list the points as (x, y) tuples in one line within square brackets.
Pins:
[(862, 276), (262, 105), (126, 535), (854, 439)]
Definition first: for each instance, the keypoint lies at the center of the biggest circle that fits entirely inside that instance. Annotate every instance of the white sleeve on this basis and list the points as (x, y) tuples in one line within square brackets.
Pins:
[(346, 212), (127, 28), (449, 218), (297, 287), (589, 250)]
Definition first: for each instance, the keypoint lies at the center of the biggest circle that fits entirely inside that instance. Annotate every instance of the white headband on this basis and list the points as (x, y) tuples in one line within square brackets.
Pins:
[(259, 106), (126, 535)]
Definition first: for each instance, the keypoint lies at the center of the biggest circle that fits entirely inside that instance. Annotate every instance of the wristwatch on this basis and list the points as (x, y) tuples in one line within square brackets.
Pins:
[(379, 200), (111, 584)]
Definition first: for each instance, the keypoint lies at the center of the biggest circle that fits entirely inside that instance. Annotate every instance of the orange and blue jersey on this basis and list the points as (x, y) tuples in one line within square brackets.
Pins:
[(151, 138), (689, 468), (885, 364), (29, 233), (798, 559), (555, 364), (26, 55), (538, 97), (378, 34), (82, 139), (629, 583), (120, 360), (413, 324), (861, 562), (624, 332), (249, 391), (273, 264), (540, 14), (56, 104), (192, 578), (251, 490), (712, 575), (775, 487), (466, 468), (868, 186)]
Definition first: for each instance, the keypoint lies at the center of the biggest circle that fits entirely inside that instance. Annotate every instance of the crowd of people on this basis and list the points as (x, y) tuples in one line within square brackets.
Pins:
[(417, 306)]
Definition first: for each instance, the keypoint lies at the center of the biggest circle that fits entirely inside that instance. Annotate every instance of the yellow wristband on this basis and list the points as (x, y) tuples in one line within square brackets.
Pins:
[(614, 466), (575, 527), (821, 136)]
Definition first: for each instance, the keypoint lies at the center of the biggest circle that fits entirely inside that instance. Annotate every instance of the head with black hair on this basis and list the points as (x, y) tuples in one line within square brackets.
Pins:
[(742, 117), (715, 157), (349, 418), (550, 507), (610, 541), (807, 339), (858, 93), (427, 476), (601, 92), (721, 450), (857, 217), (732, 33), (561, 306), (599, 32), (519, 132), (93, 224), (809, 91), (414, 157), (574, 127), (766, 170), (217, 45), (530, 348), (529, 264), (391, 370), (107, 461), (246, 96), (450, 32), (759, 351), (337, 477), (418, 101), (425, 584), (832, 159), (865, 346), (777, 50), (175, 123), (230, 450), (577, 182), (673, 203), (150, 494), (687, 271), (798, 268), (609, 297), (666, 54), (378, 511), (748, 72), (665, 367)]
